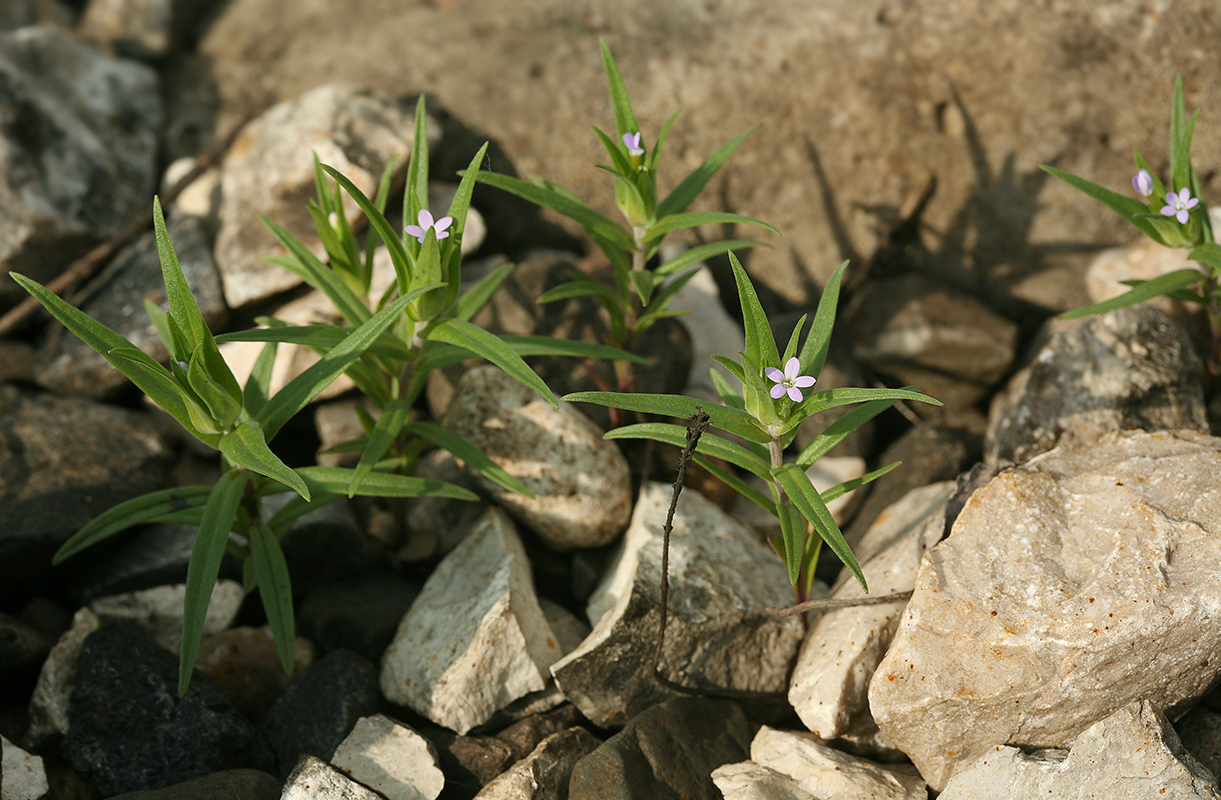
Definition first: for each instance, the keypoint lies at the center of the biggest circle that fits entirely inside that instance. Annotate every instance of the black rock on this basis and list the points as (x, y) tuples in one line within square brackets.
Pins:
[(128, 729), (319, 710), (666, 753), (234, 784), (361, 614)]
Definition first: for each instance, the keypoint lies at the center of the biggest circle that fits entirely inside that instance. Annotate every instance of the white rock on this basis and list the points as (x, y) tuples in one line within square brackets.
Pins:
[(830, 684), (581, 482), (475, 639), (24, 775), (1131, 755), (721, 578), (49, 703), (1069, 587), (747, 780), (544, 773), (158, 611), (390, 758), (314, 779), (829, 774)]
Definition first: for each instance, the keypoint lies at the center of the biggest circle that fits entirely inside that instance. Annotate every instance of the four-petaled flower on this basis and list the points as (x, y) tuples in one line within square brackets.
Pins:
[(1143, 183), (1178, 205), (789, 381), (426, 222), (632, 142)]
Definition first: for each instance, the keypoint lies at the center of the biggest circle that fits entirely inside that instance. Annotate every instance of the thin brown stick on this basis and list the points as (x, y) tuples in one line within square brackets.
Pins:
[(830, 604), (88, 264)]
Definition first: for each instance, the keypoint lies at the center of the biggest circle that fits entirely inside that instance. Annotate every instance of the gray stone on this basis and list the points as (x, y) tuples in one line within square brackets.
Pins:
[(581, 484), (829, 774), (314, 779), (830, 683), (49, 703), (924, 333), (25, 778), (666, 753), (64, 461), (747, 780), (390, 758), (544, 774), (466, 649), (231, 784), (360, 614), (80, 147), (1068, 588), (1132, 754), (131, 28), (721, 578), (270, 171), (1130, 368), (158, 611), (67, 365)]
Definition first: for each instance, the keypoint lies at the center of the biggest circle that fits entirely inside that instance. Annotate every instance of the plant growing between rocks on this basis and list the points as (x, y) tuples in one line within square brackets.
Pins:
[(1174, 217)]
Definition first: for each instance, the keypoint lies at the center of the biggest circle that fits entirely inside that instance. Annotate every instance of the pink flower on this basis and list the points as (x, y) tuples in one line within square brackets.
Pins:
[(789, 382), (426, 222), (1178, 205), (1143, 183)]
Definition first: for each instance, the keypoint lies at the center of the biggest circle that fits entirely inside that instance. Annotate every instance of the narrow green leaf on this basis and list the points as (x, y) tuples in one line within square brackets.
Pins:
[(258, 385), (686, 192), (760, 344), (275, 590), (729, 419), (674, 222), (460, 205), (733, 366), (670, 290), (146, 508), (336, 480), (525, 345), (1208, 253), (478, 295), (1126, 207), (729, 396), (579, 288), (737, 484), (814, 352), (318, 275), (246, 447), (661, 140), (388, 427), (480, 342), (160, 386), (840, 489), (392, 238), (790, 349), (1162, 284), (585, 216), (710, 444), (204, 566), (625, 118), (415, 191), (182, 303), (320, 338), (221, 405), (704, 251), (475, 458), (808, 501), (793, 530), (839, 430), (615, 149)]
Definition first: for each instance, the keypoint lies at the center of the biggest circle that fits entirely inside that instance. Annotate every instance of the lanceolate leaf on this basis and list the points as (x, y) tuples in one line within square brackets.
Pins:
[(1162, 284), (204, 566), (475, 297), (182, 303), (737, 484), (525, 345), (710, 444), (275, 590), (1128, 208), (310, 269), (392, 239), (589, 219), (625, 119), (336, 480), (480, 342), (246, 447), (729, 419), (703, 251), (840, 489), (693, 184), (814, 351), (839, 430), (841, 397), (793, 528), (475, 458), (675, 222), (389, 425), (807, 499), (146, 508)]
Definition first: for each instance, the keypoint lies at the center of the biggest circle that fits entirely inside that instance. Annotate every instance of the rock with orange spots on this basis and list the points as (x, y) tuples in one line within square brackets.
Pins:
[(1069, 587), (1130, 755), (475, 639), (830, 684)]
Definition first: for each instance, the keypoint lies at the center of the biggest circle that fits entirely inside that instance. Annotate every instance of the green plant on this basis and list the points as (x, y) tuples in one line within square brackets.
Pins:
[(640, 295), (765, 413), (1171, 218)]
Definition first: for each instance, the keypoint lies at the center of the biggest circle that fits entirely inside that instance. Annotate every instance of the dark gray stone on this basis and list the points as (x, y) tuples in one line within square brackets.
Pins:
[(129, 730), (67, 365), (63, 461), (666, 753), (360, 614), (233, 784), (1131, 368), (319, 710)]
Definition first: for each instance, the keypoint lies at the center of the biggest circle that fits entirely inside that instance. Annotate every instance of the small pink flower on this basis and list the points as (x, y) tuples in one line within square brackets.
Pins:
[(632, 142), (789, 382), (426, 222), (1143, 183), (1178, 205)]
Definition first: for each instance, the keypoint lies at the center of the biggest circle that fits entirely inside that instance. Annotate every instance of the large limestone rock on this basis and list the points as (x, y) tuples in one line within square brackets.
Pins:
[(721, 578), (581, 483), (828, 773), (1068, 588), (1131, 755), (475, 639)]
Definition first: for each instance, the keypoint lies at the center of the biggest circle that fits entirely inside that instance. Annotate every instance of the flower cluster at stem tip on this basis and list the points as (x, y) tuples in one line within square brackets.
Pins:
[(789, 382), (426, 221), (1178, 204)]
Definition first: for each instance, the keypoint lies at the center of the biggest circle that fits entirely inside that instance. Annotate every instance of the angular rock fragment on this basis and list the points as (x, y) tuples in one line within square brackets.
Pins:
[(546, 771), (1069, 587), (830, 684), (158, 611), (25, 778), (1131, 755), (391, 759), (49, 703), (78, 152), (475, 639), (721, 578), (581, 483), (830, 774), (270, 171), (1130, 368), (747, 780), (314, 779)]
